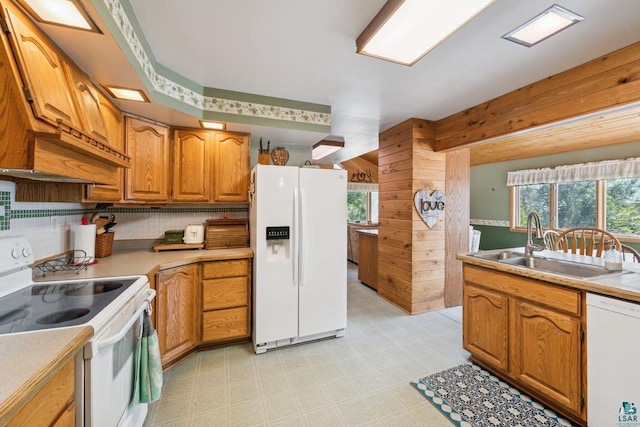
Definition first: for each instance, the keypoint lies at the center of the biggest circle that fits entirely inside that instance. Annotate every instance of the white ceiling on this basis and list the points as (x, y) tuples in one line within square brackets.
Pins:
[(305, 51)]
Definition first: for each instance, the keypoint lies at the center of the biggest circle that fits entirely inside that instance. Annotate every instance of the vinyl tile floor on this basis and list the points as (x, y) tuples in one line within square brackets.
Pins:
[(361, 379)]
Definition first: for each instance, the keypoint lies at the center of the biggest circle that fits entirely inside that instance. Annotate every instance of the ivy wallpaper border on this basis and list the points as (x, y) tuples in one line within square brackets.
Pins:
[(198, 100), (491, 222)]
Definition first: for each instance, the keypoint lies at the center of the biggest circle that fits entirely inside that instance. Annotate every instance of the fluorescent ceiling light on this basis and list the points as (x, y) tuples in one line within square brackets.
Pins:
[(324, 148), (543, 26), (126, 94), (66, 13), (213, 125), (405, 30)]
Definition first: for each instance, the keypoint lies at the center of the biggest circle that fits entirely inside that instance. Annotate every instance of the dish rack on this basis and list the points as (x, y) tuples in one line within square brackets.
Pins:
[(76, 260)]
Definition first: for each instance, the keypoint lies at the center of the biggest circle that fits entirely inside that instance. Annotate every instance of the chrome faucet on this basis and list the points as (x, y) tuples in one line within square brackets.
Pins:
[(530, 247)]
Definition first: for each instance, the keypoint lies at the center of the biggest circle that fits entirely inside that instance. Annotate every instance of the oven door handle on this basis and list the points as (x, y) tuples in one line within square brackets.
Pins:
[(125, 329)]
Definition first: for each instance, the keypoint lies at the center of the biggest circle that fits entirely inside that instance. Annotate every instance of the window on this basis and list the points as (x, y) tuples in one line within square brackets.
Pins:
[(590, 195), (623, 206), (576, 204), (362, 205)]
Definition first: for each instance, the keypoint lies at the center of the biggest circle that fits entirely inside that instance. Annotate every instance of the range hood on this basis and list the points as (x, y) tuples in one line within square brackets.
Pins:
[(41, 176), (51, 127)]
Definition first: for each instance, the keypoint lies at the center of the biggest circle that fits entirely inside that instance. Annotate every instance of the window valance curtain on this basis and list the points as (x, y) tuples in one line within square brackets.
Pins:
[(362, 186), (610, 169)]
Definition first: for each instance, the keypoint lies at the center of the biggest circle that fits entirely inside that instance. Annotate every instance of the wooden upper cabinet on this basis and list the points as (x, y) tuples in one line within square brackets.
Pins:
[(231, 168), (114, 124), (147, 180), (191, 165), (43, 74), (87, 103)]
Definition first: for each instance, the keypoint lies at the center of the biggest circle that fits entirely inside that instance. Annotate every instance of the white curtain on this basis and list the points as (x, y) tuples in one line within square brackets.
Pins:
[(362, 186), (610, 169)]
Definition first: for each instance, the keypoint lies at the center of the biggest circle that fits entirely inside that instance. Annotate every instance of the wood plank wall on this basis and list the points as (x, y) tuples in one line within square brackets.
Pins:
[(457, 214), (411, 257)]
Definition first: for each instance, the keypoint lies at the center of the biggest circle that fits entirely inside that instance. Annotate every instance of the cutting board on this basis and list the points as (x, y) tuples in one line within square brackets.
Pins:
[(176, 246)]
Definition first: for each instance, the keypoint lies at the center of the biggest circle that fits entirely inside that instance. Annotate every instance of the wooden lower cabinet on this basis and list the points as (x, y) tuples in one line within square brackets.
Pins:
[(226, 299), (545, 352), (530, 333), (53, 405), (191, 311), (177, 311), (368, 256), (486, 322)]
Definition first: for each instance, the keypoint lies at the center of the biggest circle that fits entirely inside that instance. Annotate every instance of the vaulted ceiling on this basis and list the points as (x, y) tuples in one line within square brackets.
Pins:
[(290, 66)]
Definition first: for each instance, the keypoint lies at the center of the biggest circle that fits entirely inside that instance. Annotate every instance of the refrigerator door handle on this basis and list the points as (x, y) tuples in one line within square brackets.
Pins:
[(301, 239), (294, 237)]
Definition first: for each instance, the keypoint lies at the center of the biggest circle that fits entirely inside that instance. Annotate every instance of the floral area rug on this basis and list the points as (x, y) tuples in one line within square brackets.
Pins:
[(469, 396)]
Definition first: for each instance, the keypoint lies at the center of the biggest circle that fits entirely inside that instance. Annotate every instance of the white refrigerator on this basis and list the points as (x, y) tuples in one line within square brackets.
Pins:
[(298, 227)]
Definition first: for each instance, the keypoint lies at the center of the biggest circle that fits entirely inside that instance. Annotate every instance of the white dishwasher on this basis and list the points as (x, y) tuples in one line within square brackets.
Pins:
[(613, 362)]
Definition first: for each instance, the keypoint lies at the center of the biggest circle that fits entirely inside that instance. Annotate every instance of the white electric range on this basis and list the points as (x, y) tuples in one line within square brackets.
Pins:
[(112, 306)]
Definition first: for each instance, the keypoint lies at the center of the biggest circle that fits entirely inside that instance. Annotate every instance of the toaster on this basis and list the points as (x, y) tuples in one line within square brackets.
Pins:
[(194, 233)]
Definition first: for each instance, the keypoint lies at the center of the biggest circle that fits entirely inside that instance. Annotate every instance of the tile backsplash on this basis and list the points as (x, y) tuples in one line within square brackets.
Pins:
[(46, 225)]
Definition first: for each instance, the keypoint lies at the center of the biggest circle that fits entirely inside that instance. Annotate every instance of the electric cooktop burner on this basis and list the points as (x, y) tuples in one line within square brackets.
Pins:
[(44, 306)]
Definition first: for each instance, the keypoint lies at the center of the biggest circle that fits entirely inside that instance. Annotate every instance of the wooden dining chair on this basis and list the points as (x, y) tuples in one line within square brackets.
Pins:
[(585, 241), (629, 254), (549, 237)]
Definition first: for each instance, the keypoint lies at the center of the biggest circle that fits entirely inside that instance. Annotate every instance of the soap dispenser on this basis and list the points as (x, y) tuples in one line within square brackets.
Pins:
[(612, 258)]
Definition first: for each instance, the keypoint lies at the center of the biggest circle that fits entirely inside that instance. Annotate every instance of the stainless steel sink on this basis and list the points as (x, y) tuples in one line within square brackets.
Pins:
[(550, 265), (497, 256)]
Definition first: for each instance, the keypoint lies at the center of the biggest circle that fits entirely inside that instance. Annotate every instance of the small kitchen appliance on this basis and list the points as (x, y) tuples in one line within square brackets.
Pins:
[(112, 306), (194, 233)]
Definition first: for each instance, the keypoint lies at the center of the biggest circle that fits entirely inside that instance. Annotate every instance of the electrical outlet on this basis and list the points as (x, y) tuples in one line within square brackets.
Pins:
[(55, 223)]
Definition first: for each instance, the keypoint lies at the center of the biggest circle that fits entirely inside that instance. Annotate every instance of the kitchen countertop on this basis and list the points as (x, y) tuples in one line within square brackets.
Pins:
[(28, 360), (135, 262), (368, 231), (624, 285)]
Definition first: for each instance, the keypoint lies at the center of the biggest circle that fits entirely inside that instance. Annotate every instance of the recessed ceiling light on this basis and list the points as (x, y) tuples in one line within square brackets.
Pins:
[(324, 148), (65, 13), (126, 93), (405, 30), (543, 26), (213, 125)]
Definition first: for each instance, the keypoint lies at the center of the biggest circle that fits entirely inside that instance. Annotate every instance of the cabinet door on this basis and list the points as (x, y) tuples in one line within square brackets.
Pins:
[(41, 69), (545, 352), (485, 325), (178, 311), (114, 124), (147, 180), (231, 168), (191, 165), (85, 97), (53, 405)]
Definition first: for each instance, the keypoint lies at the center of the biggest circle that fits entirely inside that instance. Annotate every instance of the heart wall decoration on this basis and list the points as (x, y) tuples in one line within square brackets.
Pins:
[(429, 206)]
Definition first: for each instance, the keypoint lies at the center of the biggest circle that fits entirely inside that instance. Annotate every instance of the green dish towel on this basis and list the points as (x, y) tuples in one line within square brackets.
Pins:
[(147, 376)]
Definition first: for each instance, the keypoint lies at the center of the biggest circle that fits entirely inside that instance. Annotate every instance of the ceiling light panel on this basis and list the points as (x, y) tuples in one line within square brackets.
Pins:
[(213, 125), (126, 94), (324, 148), (543, 26), (67, 13), (405, 30)]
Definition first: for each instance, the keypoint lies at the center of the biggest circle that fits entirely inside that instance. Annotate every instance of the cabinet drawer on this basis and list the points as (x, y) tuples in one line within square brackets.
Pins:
[(216, 269), (225, 324), (224, 293), (551, 295)]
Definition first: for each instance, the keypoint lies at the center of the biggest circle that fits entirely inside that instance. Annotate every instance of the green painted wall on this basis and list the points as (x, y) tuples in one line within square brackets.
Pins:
[(490, 195)]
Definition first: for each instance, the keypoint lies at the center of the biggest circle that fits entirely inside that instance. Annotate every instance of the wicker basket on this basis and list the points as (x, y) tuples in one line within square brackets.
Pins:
[(104, 244)]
